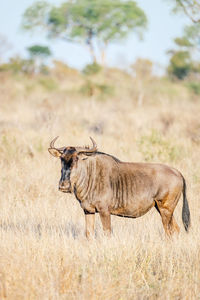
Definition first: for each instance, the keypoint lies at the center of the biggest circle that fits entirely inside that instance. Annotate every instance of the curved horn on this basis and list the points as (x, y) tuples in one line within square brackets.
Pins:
[(87, 149), (53, 142), (94, 145)]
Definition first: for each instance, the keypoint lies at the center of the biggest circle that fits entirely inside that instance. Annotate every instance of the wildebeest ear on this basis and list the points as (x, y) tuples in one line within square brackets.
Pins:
[(54, 152), (82, 156)]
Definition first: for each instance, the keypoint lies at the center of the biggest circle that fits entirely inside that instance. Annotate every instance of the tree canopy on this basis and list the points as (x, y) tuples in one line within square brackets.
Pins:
[(39, 51), (180, 64), (94, 22), (192, 34), (38, 55), (190, 7), (184, 59)]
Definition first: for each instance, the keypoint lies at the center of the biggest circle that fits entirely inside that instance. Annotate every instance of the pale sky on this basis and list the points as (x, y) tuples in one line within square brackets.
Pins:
[(163, 27)]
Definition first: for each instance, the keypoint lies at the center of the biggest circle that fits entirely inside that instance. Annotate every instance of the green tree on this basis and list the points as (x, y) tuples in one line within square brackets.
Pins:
[(142, 68), (184, 60), (39, 51), (93, 22), (191, 8), (192, 35), (180, 64), (38, 55)]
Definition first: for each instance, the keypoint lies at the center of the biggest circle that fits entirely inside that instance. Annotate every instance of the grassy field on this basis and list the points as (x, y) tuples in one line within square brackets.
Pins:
[(43, 251)]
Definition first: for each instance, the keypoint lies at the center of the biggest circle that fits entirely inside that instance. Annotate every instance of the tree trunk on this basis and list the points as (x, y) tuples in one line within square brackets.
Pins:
[(103, 55), (140, 97), (92, 52)]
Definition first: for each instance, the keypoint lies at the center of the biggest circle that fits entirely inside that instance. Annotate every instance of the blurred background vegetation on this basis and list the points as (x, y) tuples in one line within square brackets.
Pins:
[(97, 24)]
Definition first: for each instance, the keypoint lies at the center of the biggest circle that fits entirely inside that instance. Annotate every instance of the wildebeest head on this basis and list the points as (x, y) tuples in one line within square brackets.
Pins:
[(68, 156)]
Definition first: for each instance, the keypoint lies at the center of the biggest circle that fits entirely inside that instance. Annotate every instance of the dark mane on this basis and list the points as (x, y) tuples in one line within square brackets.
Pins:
[(115, 158)]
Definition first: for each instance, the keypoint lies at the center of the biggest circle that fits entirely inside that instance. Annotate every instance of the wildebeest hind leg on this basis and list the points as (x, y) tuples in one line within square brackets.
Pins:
[(166, 208), (166, 219), (174, 226), (169, 222)]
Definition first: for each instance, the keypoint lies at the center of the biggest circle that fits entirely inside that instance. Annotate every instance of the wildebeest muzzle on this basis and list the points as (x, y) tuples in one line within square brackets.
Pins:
[(64, 187)]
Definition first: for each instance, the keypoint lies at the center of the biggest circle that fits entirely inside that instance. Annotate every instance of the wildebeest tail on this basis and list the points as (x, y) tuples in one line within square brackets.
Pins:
[(185, 209)]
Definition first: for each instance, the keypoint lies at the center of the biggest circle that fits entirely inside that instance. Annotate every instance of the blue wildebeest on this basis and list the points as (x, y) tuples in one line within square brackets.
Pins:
[(104, 184)]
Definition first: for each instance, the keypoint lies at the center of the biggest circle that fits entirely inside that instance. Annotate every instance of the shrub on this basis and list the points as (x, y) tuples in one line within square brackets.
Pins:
[(48, 83), (90, 89), (180, 65), (92, 69), (154, 147), (105, 89), (17, 65), (194, 87)]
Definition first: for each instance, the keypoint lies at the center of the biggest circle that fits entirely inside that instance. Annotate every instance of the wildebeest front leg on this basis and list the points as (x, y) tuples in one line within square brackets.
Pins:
[(89, 224), (106, 222)]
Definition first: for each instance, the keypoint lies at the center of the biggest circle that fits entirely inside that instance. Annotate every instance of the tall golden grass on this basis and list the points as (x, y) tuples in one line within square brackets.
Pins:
[(43, 251)]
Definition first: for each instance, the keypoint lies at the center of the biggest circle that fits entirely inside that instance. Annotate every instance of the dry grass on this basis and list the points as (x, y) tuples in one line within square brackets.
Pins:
[(43, 251)]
